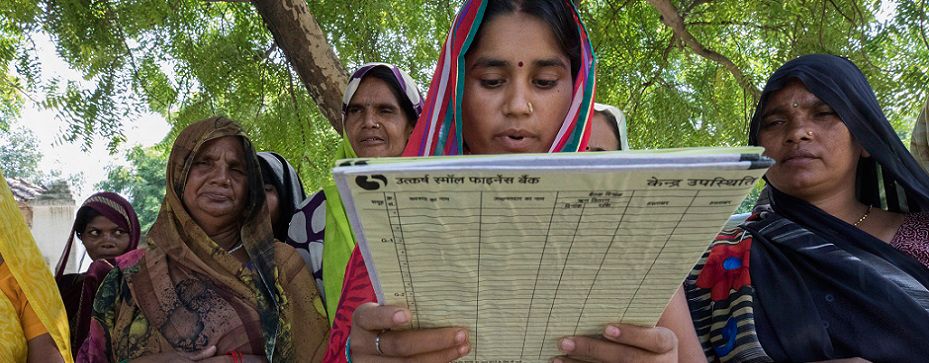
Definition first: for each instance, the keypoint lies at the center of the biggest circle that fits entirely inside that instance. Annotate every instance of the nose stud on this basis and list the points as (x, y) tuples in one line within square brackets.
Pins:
[(530, 106), (809, 133)]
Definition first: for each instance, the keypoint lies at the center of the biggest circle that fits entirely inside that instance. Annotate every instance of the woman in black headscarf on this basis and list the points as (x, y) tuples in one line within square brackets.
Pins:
[(838, 267), (283, 190)]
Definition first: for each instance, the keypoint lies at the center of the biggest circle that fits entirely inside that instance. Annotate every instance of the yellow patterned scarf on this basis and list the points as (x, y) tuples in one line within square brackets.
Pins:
[(25, 262)]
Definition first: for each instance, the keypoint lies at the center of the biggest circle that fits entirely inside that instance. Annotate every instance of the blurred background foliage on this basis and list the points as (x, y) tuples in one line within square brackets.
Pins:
[(190, 59)]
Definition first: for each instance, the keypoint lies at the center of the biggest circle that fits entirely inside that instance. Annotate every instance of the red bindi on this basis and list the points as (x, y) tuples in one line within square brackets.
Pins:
[(520, 64)]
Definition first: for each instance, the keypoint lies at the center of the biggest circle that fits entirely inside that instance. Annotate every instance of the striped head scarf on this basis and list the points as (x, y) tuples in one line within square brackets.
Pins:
[(110, 205), (438, 131)]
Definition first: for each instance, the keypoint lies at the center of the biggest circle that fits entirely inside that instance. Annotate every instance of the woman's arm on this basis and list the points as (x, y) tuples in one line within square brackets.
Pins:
[(676, 317), (360, 318), (43, 349)]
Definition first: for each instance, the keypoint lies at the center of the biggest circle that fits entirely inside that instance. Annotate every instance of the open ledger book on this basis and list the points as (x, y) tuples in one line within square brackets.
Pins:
[(524, 249)]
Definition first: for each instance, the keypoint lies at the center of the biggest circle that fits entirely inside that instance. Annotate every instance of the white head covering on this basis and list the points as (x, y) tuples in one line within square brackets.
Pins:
[(620, 122)]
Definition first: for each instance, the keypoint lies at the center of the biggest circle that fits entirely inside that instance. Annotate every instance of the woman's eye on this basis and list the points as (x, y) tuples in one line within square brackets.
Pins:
[(118, 232), (492, 83), (545, 83), (387, 110), (771, 123), (93, 233), (269, 188)]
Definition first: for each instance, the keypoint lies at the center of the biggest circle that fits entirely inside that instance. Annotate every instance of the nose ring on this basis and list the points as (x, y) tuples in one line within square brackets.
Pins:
[(377, 125), (809, 133), (530, 106)]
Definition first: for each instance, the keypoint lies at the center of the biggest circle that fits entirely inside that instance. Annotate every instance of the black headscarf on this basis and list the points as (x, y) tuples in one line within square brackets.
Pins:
[(841, 85), (277, 171), (826, 289)]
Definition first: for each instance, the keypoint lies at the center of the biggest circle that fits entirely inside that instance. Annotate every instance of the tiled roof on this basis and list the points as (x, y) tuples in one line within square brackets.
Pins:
[(24, 191)]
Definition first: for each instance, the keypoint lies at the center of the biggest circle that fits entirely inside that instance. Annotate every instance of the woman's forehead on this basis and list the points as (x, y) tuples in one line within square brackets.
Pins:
[(517, 38), (222, 144)]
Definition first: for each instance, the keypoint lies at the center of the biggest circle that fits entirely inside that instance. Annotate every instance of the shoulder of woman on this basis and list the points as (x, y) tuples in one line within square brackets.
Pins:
[(130, 259), (288, 260)]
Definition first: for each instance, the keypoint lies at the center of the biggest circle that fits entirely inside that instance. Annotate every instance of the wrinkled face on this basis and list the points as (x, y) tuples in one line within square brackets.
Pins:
[(104, 239), (815, 153), (602, 137), (517, 87), (375, 123), (272, 202), (215, 193)]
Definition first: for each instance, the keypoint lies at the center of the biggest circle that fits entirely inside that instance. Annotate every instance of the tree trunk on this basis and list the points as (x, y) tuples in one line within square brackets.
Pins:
[(304, 44), (673, 20)]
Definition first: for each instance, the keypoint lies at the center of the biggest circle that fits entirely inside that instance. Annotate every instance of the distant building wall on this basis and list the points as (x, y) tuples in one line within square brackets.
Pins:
[(26, 211), (51, 224)]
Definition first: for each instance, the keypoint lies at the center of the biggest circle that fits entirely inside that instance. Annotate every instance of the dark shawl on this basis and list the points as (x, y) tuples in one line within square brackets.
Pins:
[(825, 289), (275, 170)]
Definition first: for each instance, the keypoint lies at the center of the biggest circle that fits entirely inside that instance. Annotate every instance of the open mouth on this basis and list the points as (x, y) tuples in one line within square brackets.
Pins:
[(372, 140), (515, 140)]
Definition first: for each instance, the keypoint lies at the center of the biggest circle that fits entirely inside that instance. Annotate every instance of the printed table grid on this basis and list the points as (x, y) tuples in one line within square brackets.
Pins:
[(546, 263)]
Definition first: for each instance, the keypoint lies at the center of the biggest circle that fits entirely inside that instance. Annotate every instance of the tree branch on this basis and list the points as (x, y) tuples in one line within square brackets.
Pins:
[(656, 74), (304, 44), (922, 19), (673, 20), (736, 23), (20, 90)]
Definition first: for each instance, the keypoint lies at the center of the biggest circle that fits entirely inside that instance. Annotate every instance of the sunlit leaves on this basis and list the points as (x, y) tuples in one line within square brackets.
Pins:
[(190, 59)]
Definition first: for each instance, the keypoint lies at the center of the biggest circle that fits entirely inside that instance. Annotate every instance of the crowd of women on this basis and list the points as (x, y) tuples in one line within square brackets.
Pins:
[(242, 266)]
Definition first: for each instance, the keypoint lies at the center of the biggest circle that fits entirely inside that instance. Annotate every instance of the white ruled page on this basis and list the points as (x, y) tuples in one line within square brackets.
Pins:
[(525, 255)]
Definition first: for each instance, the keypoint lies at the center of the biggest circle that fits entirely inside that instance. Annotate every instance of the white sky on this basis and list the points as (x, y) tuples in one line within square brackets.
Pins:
[(68, 157)]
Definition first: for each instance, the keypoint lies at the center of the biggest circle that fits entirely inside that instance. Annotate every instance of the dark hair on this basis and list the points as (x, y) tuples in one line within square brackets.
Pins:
[(387, 75), (84, 215), (556, 13), (611, 121)]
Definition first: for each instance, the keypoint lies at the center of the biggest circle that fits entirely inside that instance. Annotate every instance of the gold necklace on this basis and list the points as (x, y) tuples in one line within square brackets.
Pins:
[(863, 217)]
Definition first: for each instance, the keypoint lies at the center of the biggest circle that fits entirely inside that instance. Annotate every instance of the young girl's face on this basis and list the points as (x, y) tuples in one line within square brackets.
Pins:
[(517, 87)]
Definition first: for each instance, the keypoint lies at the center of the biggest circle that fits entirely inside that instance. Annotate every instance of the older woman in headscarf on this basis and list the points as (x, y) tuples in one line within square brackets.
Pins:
[(212, 281), (33, 322), (838, 266), (379, 110), (107, 226), (607, 129)]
